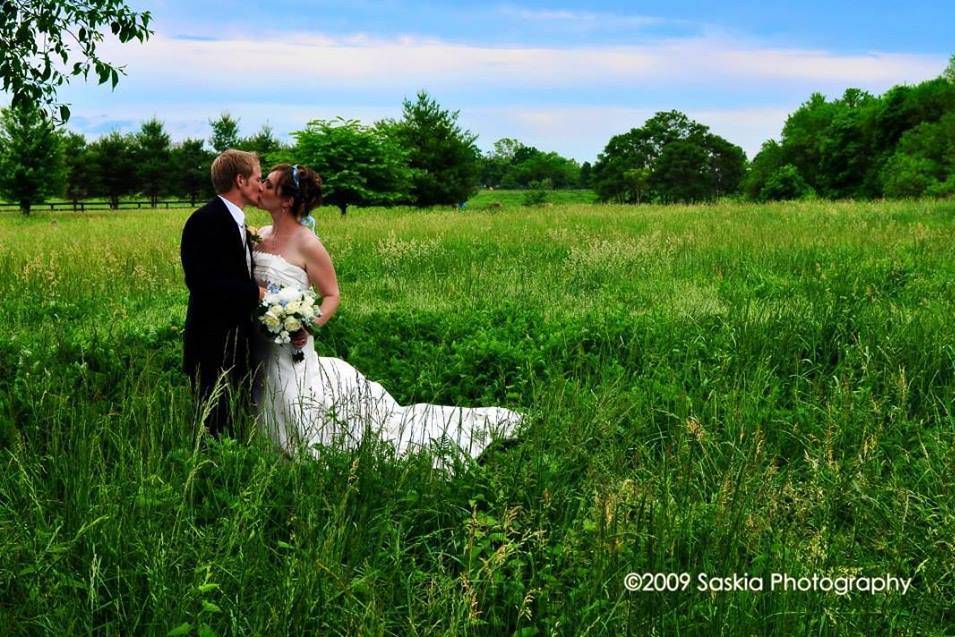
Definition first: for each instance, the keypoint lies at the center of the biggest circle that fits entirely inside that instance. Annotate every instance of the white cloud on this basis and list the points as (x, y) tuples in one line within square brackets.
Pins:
[(582, 20), (288, 79), (309, 60)]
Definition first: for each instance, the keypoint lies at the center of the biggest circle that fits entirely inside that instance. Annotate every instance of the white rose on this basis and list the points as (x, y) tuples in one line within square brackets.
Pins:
[(270, 299), (292, 324), (276, 310), (294, 307), (289, 294), (271, 322)]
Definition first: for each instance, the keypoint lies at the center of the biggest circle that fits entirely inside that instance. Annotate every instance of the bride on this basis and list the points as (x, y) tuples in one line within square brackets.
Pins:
[(324, 400)]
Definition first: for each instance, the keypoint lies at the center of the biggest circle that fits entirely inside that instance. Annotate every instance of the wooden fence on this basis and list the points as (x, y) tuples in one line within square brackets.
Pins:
[(83, 206)]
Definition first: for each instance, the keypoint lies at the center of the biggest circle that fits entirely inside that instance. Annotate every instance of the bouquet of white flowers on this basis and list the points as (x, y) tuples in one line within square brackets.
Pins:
[(284, 311)]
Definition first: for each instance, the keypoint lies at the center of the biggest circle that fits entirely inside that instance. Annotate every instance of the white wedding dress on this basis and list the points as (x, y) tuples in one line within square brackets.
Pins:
[(325, 401)]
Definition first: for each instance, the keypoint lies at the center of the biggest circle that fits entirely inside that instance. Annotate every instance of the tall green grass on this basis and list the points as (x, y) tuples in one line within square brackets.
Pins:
[(719, 389)]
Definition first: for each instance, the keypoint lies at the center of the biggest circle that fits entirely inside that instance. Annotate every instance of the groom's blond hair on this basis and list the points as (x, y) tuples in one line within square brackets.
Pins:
[(230, 164)]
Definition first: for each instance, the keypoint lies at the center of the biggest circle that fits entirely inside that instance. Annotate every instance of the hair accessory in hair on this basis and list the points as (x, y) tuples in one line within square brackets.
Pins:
[(295, 175), (309, 221)]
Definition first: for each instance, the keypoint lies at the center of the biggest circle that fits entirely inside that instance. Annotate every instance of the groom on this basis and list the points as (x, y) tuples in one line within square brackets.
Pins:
[(217, 261)]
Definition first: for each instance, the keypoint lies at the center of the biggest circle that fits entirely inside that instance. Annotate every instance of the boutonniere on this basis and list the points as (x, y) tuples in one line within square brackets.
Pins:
[(253, 234)]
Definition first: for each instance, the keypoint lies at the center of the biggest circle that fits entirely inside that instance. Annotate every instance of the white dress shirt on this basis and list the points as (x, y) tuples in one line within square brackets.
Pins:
[(239, 215)]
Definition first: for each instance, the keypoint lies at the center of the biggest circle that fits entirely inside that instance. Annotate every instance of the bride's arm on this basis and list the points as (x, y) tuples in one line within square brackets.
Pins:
[(321, 274)]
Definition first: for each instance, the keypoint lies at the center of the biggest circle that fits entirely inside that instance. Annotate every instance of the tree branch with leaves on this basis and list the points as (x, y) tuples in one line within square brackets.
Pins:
[(48, 42)]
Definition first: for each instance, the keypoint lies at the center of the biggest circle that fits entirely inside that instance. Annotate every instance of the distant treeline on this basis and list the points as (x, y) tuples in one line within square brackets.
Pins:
[(899, 144)]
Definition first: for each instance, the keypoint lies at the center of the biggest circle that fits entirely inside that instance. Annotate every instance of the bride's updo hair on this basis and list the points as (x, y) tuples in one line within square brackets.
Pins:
[(302, 184)]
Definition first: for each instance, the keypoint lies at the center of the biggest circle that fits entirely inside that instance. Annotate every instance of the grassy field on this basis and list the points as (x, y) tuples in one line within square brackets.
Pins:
[(712, 389)]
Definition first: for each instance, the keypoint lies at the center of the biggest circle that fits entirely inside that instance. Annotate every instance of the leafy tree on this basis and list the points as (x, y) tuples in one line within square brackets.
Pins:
[(785, 183), (845, 150), (909, 176), (31, 156), (444, 157), (843, 147), (680, 173), (559, 171), (359, 165), (804, 133), (586, 175), (190, 162), (152, 156), (79, 179), (225, 133), (493, 169), (112, 158), (949, 73), (507, 149), (636, 183), (924, 160), (699, 165), (766, 162), (726, 165), (536, 194), (264, 143), (48, 42)]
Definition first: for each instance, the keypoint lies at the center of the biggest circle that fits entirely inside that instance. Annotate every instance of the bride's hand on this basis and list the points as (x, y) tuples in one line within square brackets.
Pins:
[(300, 338)]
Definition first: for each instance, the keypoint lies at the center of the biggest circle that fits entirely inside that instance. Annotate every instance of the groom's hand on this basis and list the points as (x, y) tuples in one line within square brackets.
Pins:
[(299, 339)]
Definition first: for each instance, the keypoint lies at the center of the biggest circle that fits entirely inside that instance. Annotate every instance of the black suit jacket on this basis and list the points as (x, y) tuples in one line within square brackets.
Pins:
[(222, 293)]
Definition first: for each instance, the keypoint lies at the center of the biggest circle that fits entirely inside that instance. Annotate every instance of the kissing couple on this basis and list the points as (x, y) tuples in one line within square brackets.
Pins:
[(236, 367)]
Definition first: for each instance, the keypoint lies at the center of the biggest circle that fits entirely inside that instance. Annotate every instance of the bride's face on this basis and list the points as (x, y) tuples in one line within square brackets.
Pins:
[(270, 199)]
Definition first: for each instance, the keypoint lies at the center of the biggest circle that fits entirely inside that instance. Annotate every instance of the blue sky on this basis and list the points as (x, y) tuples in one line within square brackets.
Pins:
[(562, 76)]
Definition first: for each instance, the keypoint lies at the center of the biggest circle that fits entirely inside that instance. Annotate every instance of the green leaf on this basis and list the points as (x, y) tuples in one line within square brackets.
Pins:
[(182, 629), (205, 631), (64, 112), (210, 607), (205, 588)]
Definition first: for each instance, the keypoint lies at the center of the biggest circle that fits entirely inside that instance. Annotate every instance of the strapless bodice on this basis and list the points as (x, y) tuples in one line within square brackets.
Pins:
[(273, 268)]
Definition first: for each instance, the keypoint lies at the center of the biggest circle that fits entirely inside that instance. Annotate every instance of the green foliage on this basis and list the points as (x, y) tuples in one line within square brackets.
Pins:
[(444, 157), (848, 147), (152, 155), (785, 183), (80, 180), (685, 161), (47, 42), (265, 144), (680, 173), (559, 171), (190, 170), (924, 159), (359, 165), (31, 156), (767, 161), (949, 72), (636, 184), (586, 171), (112, 158), (514, 165), (225, 133), (536, 195)]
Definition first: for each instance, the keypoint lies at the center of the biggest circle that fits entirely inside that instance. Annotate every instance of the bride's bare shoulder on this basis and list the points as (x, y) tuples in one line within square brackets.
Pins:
[(308, 239)]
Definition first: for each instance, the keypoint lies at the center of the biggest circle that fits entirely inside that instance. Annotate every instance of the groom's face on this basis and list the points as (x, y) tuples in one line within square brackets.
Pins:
[(251, 186)]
